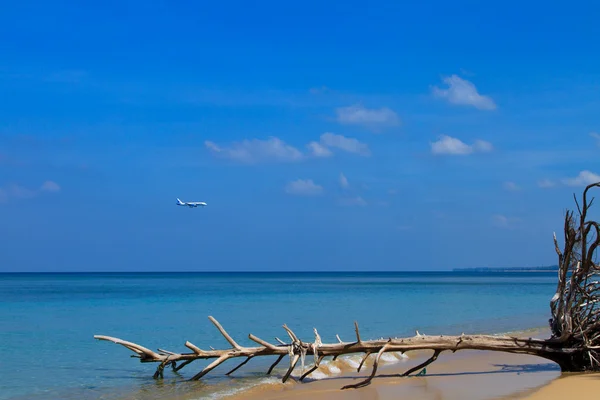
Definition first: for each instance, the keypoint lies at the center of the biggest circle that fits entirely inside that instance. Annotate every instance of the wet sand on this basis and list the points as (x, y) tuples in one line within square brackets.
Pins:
[(469, 375)]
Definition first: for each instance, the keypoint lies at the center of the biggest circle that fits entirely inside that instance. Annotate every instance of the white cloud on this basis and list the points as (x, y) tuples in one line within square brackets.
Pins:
[(353, 201), (546, 183), (462, 92), (303, 187), (18, 192), (275, 150), (511, 186), (343, 143), (318, 150), (344, 181), (583, 179), (212, 146), (450, 145), (50, 186), (359, 115), (256, 150), (596, 136)]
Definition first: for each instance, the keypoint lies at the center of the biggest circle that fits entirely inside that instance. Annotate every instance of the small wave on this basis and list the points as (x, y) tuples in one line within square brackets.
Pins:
[(333, 369), (388, 358), (398, 356), (318, 375), (221, 394), (352, 361), (540, 331), (326, 370)]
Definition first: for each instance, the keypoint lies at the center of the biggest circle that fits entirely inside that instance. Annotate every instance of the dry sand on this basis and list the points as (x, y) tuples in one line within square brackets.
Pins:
[(570, 386)]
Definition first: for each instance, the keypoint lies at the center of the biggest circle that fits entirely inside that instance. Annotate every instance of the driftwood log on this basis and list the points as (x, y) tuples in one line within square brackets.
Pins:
[(575, 324)]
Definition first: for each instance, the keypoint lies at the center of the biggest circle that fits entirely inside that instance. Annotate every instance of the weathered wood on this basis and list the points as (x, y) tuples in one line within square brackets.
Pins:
[(275, 364), (239, 366), (313, 368), (552, 350), (367, 354), (575, 324), (575, 307), (423, 364), (373, 371)]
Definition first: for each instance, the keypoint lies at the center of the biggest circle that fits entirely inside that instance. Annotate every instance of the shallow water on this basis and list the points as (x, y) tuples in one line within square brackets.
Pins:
[(47, 321)]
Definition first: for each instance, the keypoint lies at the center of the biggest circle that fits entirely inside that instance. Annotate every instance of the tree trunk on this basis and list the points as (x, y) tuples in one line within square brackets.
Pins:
[(569, 359)]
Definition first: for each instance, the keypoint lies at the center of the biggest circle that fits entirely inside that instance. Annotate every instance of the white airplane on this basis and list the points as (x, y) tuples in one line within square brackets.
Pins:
[(191, 203)]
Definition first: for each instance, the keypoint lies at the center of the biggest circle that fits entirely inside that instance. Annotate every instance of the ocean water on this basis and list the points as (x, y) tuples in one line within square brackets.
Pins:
[(47, 322)]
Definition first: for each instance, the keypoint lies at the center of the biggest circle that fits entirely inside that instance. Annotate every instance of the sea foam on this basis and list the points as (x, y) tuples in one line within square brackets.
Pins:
[(224, 393)]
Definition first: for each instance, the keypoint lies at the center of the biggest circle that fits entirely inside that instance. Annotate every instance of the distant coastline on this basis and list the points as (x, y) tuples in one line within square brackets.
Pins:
[(549, 268)]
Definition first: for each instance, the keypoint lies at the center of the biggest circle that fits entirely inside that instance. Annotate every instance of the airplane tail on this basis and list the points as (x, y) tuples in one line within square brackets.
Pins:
[(179, 201)]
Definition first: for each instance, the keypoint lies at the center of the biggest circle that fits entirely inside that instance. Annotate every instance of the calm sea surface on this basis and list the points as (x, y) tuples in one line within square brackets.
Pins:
[(47, 321)]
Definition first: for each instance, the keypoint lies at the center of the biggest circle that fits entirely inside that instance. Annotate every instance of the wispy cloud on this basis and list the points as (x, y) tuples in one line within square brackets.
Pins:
[(319, 90), (449, 145), (344, 184), (303, 187), (583, 179), (316, 149), (596, 136), (353, 201), (462, 92), (50, 186), (371, 118), (341, 142), (273, 149), (18, 192), (256, 151), (502, 221), (546, 183), (510, 186)]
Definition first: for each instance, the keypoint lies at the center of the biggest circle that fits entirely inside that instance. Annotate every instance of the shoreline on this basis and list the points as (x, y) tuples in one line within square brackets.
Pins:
[(465, 375), (473, 375)]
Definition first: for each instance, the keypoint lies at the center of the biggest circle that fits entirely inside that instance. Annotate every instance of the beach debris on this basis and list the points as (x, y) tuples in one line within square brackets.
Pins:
[(296, 348), (575, 307), (575, 325)]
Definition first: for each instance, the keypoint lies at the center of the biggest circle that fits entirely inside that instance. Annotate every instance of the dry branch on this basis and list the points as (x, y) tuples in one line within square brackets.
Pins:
[(575, 324), (296, 348)]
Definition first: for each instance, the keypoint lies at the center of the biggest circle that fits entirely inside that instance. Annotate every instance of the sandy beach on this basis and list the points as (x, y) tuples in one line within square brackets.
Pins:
[(468, 375), (575, 386)]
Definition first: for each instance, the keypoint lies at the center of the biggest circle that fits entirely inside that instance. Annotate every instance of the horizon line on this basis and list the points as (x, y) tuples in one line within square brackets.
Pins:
[(492, 269)]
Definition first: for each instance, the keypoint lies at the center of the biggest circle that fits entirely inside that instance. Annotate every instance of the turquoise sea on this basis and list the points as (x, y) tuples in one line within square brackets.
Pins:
[(47, 321)]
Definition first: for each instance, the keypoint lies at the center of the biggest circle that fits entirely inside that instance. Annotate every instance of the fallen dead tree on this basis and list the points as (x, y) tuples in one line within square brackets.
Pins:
[(575, 325)]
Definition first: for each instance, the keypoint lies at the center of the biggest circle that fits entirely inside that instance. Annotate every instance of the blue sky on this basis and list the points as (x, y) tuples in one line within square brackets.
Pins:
[(323, 135)]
